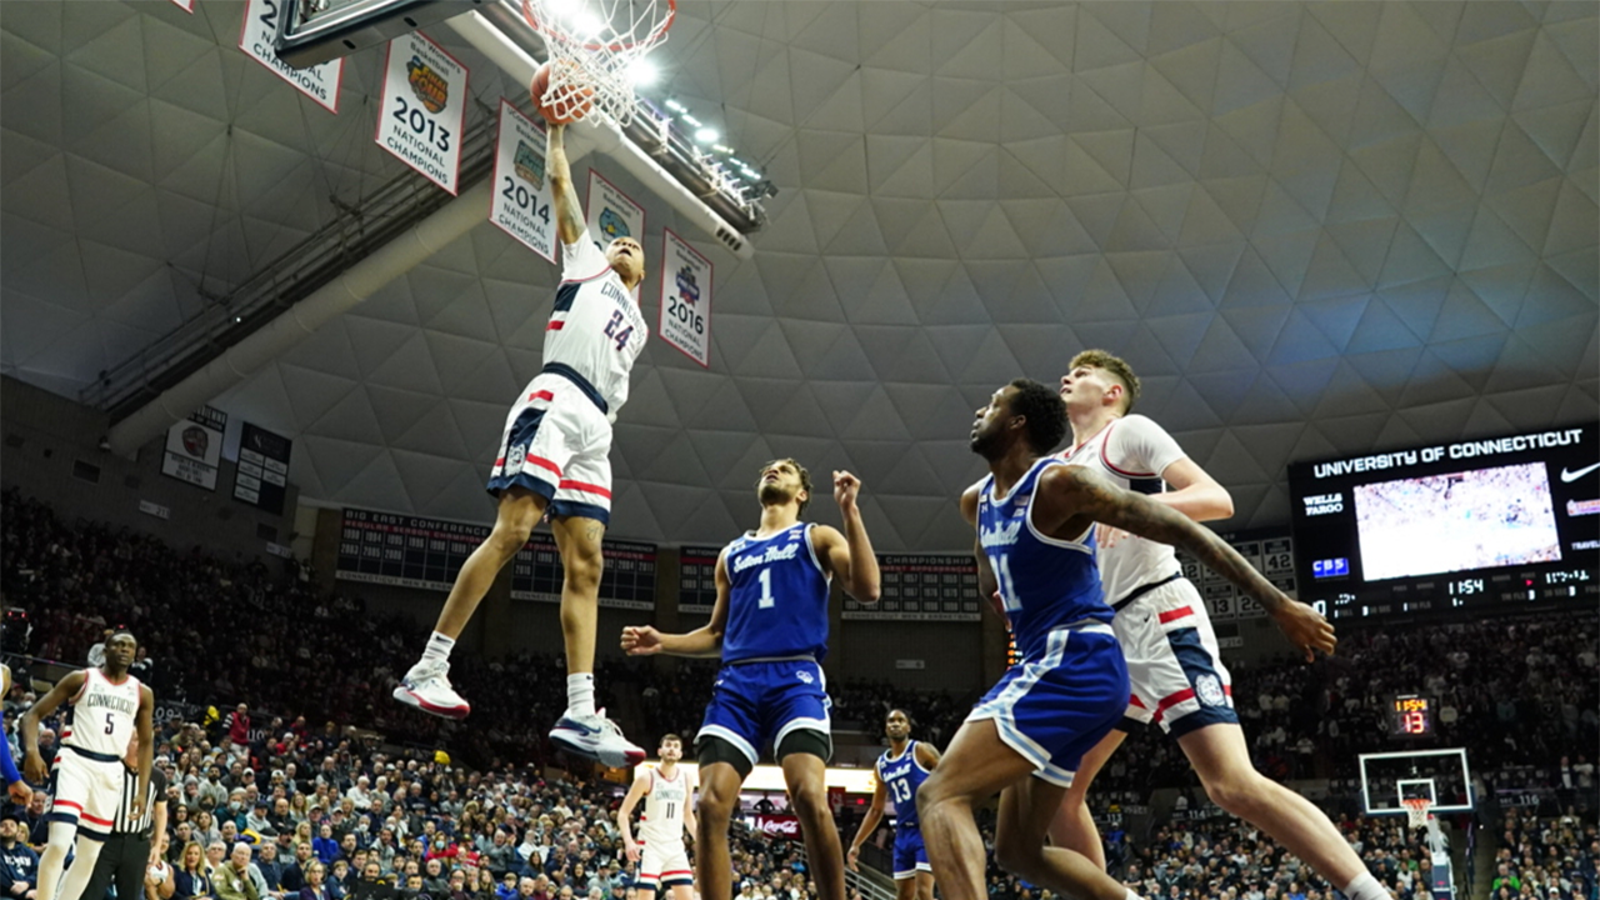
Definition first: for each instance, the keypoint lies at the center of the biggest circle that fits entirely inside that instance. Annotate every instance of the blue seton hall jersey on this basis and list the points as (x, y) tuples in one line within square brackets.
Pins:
[(901, 776), (778, 607), (1045, 582)]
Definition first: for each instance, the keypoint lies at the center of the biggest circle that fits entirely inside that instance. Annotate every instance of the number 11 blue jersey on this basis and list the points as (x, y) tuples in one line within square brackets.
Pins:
[(778, 606)]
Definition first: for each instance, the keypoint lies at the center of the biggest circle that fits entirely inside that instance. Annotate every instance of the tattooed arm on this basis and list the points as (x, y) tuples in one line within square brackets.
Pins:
[(1070, 499), (569, 213)]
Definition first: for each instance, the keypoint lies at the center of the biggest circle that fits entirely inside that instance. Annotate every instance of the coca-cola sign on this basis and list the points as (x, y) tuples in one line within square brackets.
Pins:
[(784, 826)]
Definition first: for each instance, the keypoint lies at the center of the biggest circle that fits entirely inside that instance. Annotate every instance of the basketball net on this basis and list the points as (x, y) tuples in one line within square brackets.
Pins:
[(594, 46), (1417, 811)]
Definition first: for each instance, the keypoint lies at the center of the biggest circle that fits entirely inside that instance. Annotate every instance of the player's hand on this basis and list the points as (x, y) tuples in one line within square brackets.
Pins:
[(34, 769), (845, 489), (1305, 627), (1107, 536), (20, 793), (633, 851), (641, 640), (851, 858), (999, 604)]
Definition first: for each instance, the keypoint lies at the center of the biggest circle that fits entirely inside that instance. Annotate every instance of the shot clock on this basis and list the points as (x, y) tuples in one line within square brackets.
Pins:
[(1410, 716)]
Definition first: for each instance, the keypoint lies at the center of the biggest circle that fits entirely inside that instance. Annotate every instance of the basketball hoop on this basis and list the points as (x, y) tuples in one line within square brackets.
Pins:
[(594, 47), (1417, 811)]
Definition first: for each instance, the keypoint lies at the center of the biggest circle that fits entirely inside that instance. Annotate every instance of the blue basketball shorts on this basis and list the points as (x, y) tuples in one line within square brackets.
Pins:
[(1052, 709), (910, 857), (758, 703)]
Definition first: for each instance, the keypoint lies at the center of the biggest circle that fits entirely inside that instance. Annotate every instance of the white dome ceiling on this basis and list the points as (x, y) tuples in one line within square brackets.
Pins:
[(1314, 229)]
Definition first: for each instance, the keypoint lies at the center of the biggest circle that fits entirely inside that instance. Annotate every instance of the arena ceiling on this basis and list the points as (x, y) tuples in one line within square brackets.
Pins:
[(1315, 228)]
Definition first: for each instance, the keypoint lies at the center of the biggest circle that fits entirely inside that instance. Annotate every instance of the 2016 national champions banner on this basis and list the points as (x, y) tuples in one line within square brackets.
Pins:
[(922, 588), (426, 554)]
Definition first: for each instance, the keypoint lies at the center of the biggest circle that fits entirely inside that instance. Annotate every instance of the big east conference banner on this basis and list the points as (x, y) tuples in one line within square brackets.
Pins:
[(424, 108), (685, 298)]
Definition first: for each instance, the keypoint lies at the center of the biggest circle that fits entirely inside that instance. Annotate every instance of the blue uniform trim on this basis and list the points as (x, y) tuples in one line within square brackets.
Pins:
[(571, 374), (1196, 662), (90, 754), (561, 509), (565, 294)]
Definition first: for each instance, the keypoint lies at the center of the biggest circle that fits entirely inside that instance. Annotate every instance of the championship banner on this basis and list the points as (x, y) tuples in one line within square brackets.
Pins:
[(612, 214), (194, 448), (257, 36), (685, 320), (1270, 551), (522, 195), (185, 5), (403, 550), (628, 581), (697, 579), (917, 588), (423, 108), (262, 478)]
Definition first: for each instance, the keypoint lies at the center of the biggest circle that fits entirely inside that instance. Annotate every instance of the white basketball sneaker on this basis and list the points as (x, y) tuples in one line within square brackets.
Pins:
[(427, 687), (596, 737)]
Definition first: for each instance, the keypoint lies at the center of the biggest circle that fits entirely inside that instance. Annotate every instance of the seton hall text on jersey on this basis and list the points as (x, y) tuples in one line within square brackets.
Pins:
[(120, 704), (1000, 535), (773, 554), (898, 769)]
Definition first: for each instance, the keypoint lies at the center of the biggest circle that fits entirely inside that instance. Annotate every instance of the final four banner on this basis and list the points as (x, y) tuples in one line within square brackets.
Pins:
[(257, 35), (685, 298), (522, 196), (424, 108), (612, 214)]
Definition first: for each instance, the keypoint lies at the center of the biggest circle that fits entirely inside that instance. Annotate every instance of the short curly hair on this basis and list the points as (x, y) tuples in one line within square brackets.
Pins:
[(1045, 414)]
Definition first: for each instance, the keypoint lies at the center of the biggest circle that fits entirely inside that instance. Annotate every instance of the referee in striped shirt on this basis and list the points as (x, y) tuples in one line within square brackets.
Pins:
[(135, 840)]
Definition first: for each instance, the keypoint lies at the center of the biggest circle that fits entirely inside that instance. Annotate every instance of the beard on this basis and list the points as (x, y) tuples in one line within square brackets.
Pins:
[(773, 494), (985, 445)]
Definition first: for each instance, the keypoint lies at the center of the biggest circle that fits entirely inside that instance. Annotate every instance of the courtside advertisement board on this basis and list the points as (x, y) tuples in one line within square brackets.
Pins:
[(1510, 520)]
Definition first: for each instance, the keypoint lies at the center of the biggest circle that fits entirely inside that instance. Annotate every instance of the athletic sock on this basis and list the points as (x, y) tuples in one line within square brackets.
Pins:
[(1366, 887), (580, 694), (438, 649)]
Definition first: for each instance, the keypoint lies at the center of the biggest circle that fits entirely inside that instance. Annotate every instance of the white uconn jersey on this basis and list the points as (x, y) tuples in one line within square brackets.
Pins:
[(596, 330), (663, 808), (1132, 451), (102, 715)]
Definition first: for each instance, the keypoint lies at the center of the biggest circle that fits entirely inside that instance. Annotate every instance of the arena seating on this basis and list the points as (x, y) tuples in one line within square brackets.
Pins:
[(1521, 693)]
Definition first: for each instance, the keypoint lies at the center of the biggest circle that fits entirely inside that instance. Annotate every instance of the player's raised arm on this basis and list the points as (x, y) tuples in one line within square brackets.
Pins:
[(569, 213), (1070, 497), (645, 640), (33, 765), (850, 556), (988, 585)]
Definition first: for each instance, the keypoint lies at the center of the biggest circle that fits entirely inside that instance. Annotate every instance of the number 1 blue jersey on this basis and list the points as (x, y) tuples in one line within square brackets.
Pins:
[(1045, 582), (901, 776), (778, 606)]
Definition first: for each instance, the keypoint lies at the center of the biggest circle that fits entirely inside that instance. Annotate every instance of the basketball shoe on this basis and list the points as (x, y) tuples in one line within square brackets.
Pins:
[(596, 737), (427, 687)]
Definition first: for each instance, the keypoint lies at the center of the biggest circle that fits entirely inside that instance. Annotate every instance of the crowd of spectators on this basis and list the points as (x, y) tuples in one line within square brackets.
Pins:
[(1549, 856), (1521, 693)]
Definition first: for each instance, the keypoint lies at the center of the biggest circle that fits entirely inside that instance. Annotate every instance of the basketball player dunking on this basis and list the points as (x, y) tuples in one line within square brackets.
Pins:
[(900, 770), (1174, 669), (668, 810), (770, 624), (108, 708), (1035, 518), (554, 458)]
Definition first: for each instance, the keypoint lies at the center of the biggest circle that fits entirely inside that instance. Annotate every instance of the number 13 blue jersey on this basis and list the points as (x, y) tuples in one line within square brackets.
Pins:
[(901, 776), (778, 606)]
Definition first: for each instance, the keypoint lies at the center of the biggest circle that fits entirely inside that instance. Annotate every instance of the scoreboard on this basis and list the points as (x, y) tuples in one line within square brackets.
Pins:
[(1270, 552), (919, 588), (1410, 716), (426, 554)]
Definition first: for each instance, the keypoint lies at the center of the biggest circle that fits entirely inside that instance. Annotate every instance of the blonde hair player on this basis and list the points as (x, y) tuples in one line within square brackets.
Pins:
[(1174, 669), (554, 459), (668, 795)]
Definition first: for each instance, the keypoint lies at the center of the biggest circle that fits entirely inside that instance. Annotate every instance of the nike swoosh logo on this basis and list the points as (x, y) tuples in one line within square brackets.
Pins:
[(1567, 477), (575, 725)]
